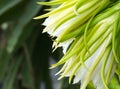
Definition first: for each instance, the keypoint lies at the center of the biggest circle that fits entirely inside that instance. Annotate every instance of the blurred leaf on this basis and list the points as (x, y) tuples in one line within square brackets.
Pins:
[(4, 61), (28, 80), (10, 14), (24, 37), (30, 11), (40, 56), (8, 84), (30, 29), (7, 4), (27, 71), (57, 54), (16, 85)]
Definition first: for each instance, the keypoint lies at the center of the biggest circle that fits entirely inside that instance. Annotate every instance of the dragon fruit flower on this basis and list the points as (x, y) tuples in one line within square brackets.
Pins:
[(87, 31)]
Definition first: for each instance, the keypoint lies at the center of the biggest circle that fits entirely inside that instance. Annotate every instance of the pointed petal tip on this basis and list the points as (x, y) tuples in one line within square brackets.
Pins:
[(70, 81), (51, 67), (48, 3), (41, 3), (57, 73), (40, 17), (60, 77), (44, 31), (36, 17), (37, 2)]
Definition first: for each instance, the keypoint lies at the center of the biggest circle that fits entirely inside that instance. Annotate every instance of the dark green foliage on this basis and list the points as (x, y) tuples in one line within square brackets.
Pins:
[(24, 50)]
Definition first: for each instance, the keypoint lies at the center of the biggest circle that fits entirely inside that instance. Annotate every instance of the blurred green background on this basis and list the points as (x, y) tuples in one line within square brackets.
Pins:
[(26, 53)]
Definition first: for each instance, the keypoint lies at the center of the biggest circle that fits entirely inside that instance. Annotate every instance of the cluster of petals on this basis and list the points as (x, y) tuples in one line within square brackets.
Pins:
[(89, 33)]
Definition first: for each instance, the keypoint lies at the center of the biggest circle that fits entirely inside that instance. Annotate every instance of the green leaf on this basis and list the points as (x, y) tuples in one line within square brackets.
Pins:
[(40, 61), (30, 29), (10, 15), (7, 4), (30, 11), (16, 85), (4, 61), (27, 71), (28, 80), (8, 84)]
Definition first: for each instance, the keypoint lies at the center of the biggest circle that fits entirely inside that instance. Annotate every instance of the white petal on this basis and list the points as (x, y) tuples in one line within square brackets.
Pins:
[(63, 27), (65, 45), (54, 18), (68, 65), (92, 59), (82, 72)]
